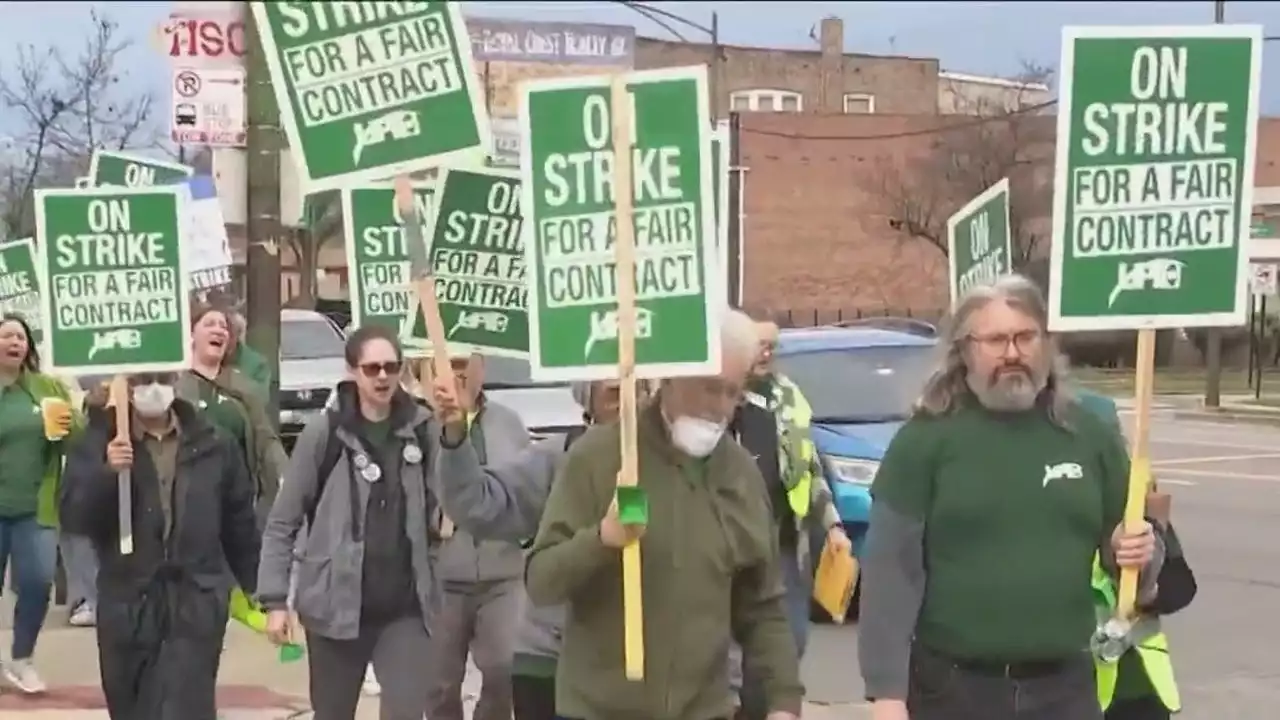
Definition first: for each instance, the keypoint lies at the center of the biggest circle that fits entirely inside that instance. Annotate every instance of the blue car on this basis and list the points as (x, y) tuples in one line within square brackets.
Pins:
[(861, 383)]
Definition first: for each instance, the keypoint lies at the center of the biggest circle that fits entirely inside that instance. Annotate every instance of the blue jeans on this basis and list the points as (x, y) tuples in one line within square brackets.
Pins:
[(33, 550), (798, 585)]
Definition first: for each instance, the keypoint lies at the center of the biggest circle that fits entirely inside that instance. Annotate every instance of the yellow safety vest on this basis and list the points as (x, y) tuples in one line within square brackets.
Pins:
[(1152, 651), (796, 450)]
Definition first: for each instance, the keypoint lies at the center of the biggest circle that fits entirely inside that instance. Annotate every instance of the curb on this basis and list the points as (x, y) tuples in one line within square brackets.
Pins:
[(1227, 416)]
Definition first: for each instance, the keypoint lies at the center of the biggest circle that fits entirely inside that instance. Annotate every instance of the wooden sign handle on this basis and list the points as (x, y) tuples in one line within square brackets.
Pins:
[(624, 256), (1139, 463), (124, 481)]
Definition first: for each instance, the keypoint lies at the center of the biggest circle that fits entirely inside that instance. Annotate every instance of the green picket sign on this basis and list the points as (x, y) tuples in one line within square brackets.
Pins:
[(566, 161), (114, 286), (377, 257), (119, 169), (19, 286), (1153, 195), (477, 256), (979, 242), (371, 93)]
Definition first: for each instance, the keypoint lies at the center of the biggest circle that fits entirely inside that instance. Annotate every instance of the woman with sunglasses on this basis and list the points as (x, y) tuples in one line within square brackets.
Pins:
[(35, 418), (359, 479), (232, 402)]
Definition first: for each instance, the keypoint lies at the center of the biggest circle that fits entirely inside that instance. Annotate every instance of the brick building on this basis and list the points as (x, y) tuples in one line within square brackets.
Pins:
[(823, 80), (817, 235)]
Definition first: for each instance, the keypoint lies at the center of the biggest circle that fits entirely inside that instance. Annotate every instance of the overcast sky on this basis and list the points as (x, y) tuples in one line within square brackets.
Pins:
[(973, 37)]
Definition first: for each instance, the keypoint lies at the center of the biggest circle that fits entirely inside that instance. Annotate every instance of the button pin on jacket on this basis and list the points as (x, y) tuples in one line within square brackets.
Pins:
[(412, 454)]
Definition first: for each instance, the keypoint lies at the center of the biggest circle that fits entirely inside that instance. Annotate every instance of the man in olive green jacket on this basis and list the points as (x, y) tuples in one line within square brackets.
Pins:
[(709, 546)]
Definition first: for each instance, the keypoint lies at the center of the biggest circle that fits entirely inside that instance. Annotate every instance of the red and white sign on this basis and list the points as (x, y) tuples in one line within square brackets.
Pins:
[(208, 107), (212, 38)]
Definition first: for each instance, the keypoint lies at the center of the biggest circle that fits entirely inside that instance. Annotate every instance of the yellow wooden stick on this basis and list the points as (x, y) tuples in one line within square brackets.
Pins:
[(624, 252), (1139, 464)]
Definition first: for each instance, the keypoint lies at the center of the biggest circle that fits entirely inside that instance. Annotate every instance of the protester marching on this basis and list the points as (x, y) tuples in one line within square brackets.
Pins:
[(659, 554)]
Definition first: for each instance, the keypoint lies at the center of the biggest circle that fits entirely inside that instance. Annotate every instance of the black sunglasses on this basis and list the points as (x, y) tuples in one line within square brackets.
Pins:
[(373, 370)]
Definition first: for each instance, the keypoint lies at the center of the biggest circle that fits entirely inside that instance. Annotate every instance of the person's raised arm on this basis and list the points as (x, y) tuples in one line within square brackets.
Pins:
[(298, 492), (496, 502), (568, 551), (893, 572)]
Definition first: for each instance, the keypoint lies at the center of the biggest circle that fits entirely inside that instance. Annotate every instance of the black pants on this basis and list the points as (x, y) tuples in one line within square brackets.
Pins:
[(945, 689), (1146, 708), (533, 698)]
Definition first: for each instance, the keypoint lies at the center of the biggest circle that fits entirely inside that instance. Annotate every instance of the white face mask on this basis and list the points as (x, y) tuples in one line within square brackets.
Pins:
[(695, 436), (152, 400)]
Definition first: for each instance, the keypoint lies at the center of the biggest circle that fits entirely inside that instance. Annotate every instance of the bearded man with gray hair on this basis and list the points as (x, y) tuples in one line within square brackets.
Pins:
[(1017, 489)]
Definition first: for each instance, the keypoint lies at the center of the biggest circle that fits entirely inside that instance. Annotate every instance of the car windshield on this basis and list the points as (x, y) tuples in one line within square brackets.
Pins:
[(310, 340), (868, 384), (505, 372)]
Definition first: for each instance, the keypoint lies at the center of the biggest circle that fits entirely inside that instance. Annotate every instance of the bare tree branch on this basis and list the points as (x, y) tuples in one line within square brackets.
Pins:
[(65, 107), (920, 190)]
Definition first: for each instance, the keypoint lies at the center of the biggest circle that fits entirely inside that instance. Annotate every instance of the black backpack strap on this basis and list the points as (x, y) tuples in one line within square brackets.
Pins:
[(333, 450)]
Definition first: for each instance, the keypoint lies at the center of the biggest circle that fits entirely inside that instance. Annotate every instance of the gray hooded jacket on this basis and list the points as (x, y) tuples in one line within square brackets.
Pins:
[(330, 562), (465, 557), (504, 502)]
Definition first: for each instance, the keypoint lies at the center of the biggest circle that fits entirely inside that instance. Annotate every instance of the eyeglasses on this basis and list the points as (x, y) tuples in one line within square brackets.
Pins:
[(373, 370), (1024, 342)]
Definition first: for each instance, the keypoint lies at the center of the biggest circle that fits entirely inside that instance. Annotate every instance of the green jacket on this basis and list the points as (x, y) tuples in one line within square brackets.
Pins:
[(252, 365), (263, 451), (41, 386), (711, 574)]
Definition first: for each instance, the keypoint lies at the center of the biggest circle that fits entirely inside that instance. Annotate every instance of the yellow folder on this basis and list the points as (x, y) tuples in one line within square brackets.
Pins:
[(834, 582)]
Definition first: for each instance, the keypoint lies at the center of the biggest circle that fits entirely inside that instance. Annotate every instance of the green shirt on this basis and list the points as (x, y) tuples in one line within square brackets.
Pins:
[(23, 448), (225, 412), (378, 433), (1014, 508)]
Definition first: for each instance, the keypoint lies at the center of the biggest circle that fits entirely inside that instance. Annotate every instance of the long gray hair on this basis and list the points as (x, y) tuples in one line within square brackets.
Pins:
[(949, 381)]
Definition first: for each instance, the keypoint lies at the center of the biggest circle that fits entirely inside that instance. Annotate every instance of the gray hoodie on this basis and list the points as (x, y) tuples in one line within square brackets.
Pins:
[(465, 557), (504, 502), (329, 569)]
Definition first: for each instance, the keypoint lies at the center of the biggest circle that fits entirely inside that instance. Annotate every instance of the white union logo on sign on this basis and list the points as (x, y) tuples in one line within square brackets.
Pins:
[(604, 326), (397, 125), (122, 339), (489, 321), (1153, 274)]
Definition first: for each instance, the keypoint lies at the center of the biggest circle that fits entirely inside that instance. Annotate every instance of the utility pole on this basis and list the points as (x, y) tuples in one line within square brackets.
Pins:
[(262, 164), (713, 84), (1213, 335)]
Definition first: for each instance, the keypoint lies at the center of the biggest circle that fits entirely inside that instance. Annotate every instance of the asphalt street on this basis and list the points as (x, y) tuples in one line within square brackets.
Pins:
[(1225, 483)]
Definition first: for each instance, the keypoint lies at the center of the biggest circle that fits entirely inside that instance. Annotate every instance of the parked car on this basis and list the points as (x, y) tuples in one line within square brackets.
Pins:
[(311, 366), (860, 383), (547, 408)]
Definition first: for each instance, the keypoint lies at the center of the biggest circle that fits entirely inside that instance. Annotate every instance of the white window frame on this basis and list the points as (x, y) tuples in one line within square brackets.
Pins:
[(868, 98), (754, 95)]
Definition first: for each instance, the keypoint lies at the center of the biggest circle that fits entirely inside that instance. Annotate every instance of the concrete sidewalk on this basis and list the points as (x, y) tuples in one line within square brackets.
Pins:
[(252, 683)]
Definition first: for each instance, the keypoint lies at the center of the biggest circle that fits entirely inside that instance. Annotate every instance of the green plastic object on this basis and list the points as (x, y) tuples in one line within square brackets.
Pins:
[(633, 506), (291, 652)]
